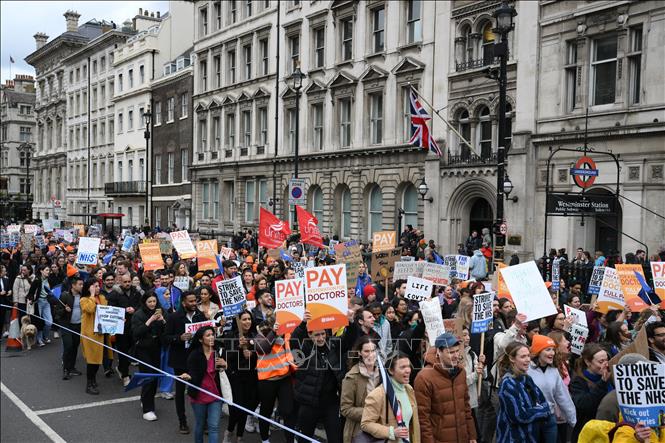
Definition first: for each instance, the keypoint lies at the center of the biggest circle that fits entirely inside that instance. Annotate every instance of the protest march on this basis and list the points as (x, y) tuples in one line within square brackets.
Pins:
[(342, 341)]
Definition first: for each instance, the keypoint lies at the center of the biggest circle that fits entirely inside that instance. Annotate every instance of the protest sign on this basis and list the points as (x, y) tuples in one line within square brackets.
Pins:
[(451, 263), (226, 252), (462, 267), (87, 251), (4, 241), (14, 239), (639, 346), (79, 230), (128, 243), (349, 254), (556, 274), (289, 304), (183, 244), (94, 231), (437, 274), (50, 224), (610, 295), (326, 297), (578, 336), (658, 275), (482, 312), (528, 290), (30, 229), (455, 326), (191, 328), (27, 242), (596, 280), (40, 241), (165, 245), (231, 295), (578, 316), (109, 320), (630, 286), (641, 393), (13, 228), (431, 312), (405, 269), (383, 240), (298, 269), (383, 263), (407, 258), (206, 252), (332, 244), (418, 289), (151, 257), (181, 282)]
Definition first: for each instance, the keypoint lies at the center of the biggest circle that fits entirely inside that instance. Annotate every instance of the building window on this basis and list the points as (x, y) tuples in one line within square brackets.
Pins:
[(233, 11), (378, 31), (94, 98), (217, 132), (410, 206), (250, 196), (294, 52), (346, 30), (102, 95), (263, 46), (247, 54), (571, 74), (25, 134), (217, 6), (345, 122), (346, 214), (485, 133), (292, 129), (130, 120), (170, 165), (203, 66), (111, 131), (141, 119), (248, 8), (263, 193), (247, 128), (413, 21), (71, 77), (376, 117), (488, 44), (217, 63), (141, 74), (319, 47), (130, 170), (102, 63), (158, 169), (102, 133), (184, 165), (317, 203), (263, 126), (603, 70), (230, 130), (130, 78), (157, 114), (94, 136), (317, 113), (170, 109), (205, 201), (203, 21), (464, 128), (184, 104), (120, 123), (375, 219), (203, 135), (231, 61), (214, 197), (635, 65)]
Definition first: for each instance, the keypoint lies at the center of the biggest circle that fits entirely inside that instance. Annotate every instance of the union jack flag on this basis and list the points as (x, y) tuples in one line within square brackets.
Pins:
[(420, 135)]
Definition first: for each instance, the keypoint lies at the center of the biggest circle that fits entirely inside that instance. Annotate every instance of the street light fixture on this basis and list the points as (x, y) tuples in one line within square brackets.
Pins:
[(508, 188), (147, 118), (296, 84), (423, 189), (504, 18)]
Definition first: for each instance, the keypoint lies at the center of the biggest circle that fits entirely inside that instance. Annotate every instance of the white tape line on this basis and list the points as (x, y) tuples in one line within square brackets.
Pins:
[(88, 405), (32, 416)]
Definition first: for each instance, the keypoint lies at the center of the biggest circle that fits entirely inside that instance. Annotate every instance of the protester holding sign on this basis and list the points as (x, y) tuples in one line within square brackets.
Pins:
[(93, 351)]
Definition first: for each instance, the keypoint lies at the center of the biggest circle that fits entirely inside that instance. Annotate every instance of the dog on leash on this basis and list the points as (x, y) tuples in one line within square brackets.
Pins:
[(28, 333)]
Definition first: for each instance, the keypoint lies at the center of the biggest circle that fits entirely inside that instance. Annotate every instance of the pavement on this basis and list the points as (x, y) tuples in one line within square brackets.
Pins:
[(36, 405)]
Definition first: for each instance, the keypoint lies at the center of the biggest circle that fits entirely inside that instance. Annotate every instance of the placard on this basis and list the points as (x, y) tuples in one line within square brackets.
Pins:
[(50, 224), (30, 229), (40, 241), (128, 243), (326, 297), (232, 296), (206, 253), (27, 242), (289, 304), (151, 256), (183, 244), (13, 228), (181, 282), (481, 315), (79, 230), (630, 286), (165, 246), (349, 254), (191, 328), (556, 274), (418, 289), (596, 280), (658, 275), (383, 240), (109, 319), (578, 334), (641, 392), (88, 251), (431, 312), (578, 316), (462, 267), (405, 269), (298, 269), (528, 290), (436, 273), (383, 263), (226, 252), (610, 295)]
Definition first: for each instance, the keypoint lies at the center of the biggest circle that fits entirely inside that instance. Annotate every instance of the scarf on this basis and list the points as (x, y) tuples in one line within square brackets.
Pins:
[(596, 378), (373, 379)]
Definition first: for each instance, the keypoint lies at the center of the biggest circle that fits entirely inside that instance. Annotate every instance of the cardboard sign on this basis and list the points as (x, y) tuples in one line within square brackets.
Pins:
[(431, 312), (151, 256), (13, 228), (418, 289), (437, 274), (87, 251), (191, 328), (165, 246), (500, 284), (596, 280), (641, 393), (298, 269), (27, 242), (30, 229), (658, 275), (610, 295), (578, 334), (528, 291), (326, 297), (383, 263), (181, 282), (383, 240), (232, 296), (128, 243), (289, 304), (405, 269), (109, 320), (206, 252), (50, 224), (183, 244), (462, 267), (630, 286), (556, 274), (226, 252), (455, 326), (578, 316), (481, 315), (349, 254)]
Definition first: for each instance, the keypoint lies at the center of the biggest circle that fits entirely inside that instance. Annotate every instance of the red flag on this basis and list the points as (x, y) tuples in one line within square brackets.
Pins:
[(272, 231), (309, 229)]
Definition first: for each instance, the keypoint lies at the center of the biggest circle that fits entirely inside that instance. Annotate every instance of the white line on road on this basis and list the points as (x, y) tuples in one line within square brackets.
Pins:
[(46, 429), (88, 405)]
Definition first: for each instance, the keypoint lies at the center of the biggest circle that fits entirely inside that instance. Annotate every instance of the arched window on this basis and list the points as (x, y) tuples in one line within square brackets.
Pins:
[(346, 214), (410, 206), (464, 128), (317, 204), (485, 133), (509, 126), (375, 221), (488, 44)]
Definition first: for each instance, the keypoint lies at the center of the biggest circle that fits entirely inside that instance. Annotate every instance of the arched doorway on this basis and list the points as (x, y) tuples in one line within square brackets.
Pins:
[(480, 216)]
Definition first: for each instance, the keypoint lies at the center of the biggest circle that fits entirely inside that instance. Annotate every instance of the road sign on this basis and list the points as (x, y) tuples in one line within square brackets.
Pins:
[(57, 203), (297, 192), (503, 229), (584, 172)]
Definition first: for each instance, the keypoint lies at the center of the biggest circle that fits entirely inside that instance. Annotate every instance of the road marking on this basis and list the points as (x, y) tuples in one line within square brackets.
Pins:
[(88, 405), (41, 424)]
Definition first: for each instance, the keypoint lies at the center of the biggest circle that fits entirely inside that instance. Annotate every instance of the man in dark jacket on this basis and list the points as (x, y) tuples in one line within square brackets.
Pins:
[(67, 312), (363, 325), (127, 297), (178, 342), (318, 380)]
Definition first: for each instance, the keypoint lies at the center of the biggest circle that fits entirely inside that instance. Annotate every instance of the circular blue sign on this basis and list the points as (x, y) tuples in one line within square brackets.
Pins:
[(296, 192)]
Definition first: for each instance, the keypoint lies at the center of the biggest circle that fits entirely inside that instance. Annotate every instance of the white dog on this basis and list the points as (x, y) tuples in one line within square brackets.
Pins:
[(28, 333)]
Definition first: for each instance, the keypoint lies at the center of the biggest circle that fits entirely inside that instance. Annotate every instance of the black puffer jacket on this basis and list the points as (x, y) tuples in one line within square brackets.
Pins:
[(320, 371)]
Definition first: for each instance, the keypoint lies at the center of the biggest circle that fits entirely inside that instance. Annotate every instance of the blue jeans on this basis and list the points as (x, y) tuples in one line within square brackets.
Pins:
[(207, 413), (45, 312), (546, 430)]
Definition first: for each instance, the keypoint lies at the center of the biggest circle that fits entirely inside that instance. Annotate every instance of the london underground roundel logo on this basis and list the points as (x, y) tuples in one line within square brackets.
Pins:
[(584, 172)]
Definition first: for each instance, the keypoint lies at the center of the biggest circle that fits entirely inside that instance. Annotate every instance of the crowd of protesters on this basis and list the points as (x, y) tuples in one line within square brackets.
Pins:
[(525, 386)]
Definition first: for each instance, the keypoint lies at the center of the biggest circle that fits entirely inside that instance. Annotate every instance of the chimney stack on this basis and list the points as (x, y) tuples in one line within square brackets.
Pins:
[(140, 11), (158, 14), (40, 39), (72, 19)]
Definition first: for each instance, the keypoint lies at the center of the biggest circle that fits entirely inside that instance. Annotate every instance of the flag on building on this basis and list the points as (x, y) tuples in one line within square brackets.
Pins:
[(272, 231), (309, 229), (420, 134)]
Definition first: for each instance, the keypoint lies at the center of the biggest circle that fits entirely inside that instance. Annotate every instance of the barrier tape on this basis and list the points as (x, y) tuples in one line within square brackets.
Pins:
[(177, 379)]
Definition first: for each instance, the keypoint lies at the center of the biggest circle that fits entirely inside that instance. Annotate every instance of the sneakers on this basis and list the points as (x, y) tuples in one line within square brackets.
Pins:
[(66, 375), (125, 381), (249, 425), (75, 372), (56, 334), (183, 429), (108, 373), (48, 341), (167, 395), (41, 344), (5, 334), (91, 389), (149, 416), (228, 437)]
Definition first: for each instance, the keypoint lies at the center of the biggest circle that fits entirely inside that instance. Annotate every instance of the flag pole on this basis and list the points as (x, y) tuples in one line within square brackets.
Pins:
[(451, 127)]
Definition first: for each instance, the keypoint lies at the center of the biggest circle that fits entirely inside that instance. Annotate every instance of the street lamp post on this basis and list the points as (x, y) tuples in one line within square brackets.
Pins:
[(27, 149), (147, 117), (296, 84), (504, 24)]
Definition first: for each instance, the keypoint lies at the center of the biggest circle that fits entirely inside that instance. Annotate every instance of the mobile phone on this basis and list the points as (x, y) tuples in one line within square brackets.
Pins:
[(158, 311)]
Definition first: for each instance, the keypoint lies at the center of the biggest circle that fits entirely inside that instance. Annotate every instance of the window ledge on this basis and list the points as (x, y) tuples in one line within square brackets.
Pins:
[(415, 45), (376, 55), (316, 70), (345, 63)]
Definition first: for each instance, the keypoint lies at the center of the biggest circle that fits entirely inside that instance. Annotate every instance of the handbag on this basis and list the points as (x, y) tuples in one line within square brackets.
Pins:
[(365, 437), (227, 392)]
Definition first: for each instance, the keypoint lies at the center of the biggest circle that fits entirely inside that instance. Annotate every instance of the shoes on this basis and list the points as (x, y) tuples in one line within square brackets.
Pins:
[(249, 425), (149, 416), (75, 372), (6, 334), (66, 375), (167, 395), (228, 437), (91, 389), (48, 341), (183, 429), (56, 334), (41, 344), (125, 381), (134, 363), (108, 373)]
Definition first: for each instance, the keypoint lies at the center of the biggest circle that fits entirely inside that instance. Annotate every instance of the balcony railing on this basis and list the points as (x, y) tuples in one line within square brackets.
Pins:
[(125, 188), (471, 159)]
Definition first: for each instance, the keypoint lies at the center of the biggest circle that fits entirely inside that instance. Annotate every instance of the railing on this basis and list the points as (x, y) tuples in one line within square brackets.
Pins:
[(126, 188), (471, 159), (471, 64)]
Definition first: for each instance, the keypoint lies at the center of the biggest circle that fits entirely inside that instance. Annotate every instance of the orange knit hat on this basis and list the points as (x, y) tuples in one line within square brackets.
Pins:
[(540, 343), (71, 270)]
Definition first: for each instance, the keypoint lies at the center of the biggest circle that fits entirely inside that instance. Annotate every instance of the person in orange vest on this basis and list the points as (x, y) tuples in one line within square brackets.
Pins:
[(274, 368)]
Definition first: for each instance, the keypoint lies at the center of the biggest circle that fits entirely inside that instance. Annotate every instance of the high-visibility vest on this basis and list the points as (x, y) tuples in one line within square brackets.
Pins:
[(278, 363)]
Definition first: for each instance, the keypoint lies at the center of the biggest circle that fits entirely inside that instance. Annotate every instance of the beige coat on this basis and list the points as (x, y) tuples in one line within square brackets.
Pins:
[(92, 352), (374, 416), (352, 402), (21, 288)]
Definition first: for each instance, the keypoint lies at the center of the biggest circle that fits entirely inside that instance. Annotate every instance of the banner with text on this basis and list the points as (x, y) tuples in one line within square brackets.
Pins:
[(431, 312), (87, 251), (658, 274), (482, 312), (183, 244), (232, 296), (109, 320), (641, 393), (151, 256), (206, 253), (528, 290), (290, 304), (610, 295), (418, 289), (326, 297)]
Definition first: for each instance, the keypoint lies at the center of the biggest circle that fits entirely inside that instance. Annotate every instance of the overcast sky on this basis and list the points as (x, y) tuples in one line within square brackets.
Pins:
[(20, 20)]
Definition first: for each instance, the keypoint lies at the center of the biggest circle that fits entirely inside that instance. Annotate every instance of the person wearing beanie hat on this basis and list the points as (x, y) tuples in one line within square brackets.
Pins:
[(369, 294), (548, 379)]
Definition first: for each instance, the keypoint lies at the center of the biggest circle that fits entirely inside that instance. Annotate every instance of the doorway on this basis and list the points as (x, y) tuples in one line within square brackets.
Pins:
[(480, 216)]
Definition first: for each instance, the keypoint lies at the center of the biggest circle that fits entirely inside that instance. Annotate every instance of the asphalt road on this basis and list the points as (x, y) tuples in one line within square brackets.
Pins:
[(55, 410)]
